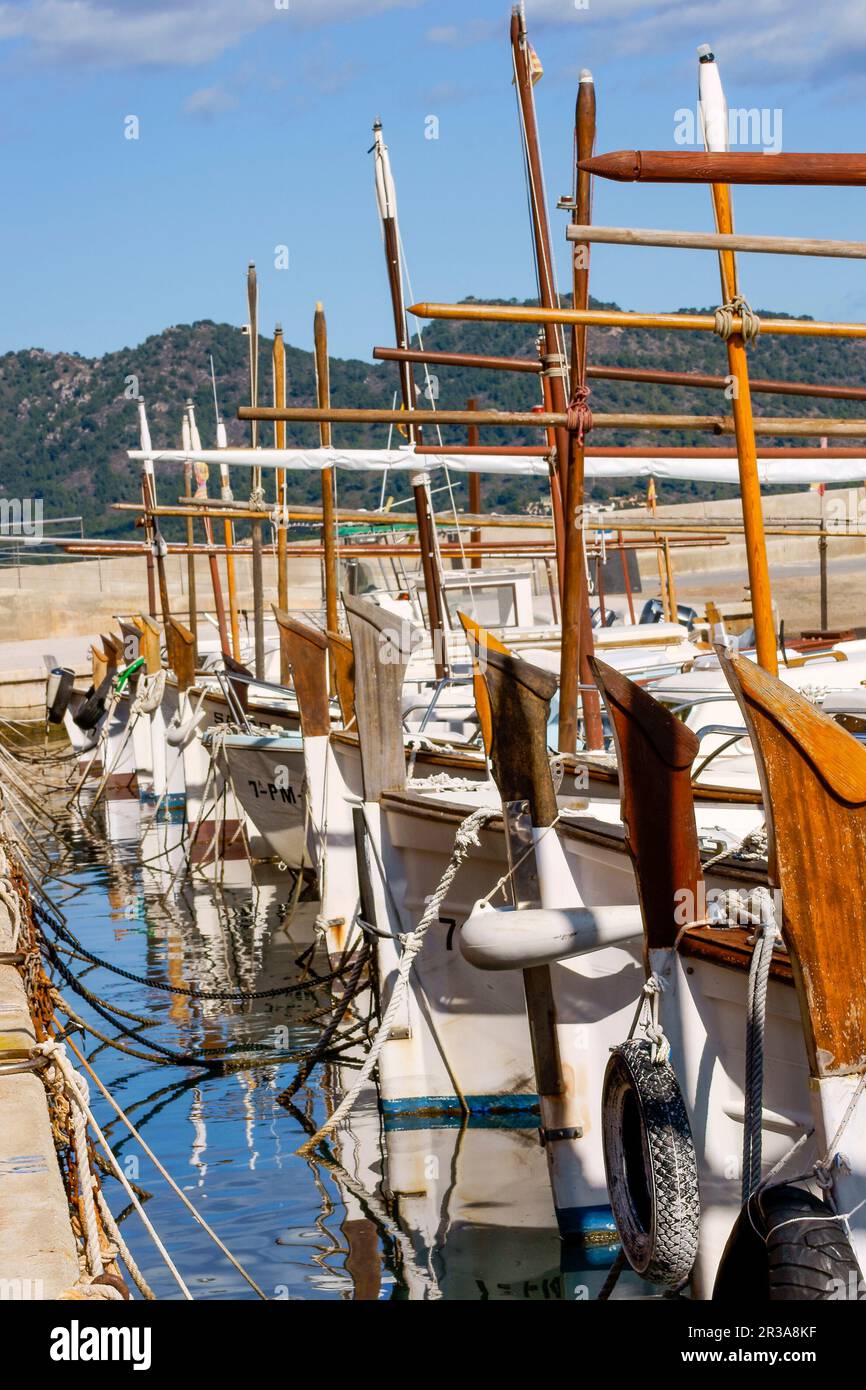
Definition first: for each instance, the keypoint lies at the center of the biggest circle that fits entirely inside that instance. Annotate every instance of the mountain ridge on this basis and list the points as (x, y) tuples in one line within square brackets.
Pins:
[(66, 420)]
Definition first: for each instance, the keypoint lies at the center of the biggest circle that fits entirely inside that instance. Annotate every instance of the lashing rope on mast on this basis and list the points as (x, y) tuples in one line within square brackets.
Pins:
[(737, 307)]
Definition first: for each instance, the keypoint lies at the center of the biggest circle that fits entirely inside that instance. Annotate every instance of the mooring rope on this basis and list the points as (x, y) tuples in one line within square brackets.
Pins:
[(178, 1191)]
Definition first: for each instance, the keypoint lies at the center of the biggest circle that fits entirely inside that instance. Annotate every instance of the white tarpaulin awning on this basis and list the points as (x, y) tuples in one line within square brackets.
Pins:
[(773, 472)]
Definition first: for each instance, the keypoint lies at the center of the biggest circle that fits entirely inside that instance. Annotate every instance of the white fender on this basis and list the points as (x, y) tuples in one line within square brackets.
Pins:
[(180, 731), (519, 938)]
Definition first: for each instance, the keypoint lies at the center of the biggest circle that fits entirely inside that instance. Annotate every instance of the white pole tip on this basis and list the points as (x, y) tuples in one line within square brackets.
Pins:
[(585, 75), (705, 53)]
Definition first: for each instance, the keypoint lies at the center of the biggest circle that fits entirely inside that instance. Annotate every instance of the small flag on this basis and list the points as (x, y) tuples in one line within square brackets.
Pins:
[(536, 71)]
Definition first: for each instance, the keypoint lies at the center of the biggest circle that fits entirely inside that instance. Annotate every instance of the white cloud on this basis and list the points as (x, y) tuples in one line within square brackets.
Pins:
[(781, 39), (208, 102), (164, 33), (462, 35)]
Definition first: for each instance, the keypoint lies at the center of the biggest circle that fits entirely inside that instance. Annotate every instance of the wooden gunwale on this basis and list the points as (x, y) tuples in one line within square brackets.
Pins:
[(462, 761), (727, 947)]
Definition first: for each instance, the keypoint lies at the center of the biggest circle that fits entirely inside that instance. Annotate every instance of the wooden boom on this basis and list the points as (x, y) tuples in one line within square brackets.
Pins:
[(653, 376), (700, 166), (622, 318), (716, 424), (717, 241)]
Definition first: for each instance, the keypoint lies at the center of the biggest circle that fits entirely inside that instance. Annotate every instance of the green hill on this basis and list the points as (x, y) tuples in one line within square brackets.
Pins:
[(66, 420)]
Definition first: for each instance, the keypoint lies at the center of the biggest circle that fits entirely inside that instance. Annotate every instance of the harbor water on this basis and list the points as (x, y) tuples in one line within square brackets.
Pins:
[(452, 1211)]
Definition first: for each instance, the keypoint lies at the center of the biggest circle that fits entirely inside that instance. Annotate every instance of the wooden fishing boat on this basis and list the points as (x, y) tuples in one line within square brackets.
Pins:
[(812, 1034)]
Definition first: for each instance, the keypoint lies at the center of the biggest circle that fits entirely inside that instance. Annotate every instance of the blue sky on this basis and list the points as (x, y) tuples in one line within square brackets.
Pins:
[(254, 124)]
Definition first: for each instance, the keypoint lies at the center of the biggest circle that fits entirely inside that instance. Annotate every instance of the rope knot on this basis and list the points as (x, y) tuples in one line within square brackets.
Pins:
[(737, 307), (578, 416)]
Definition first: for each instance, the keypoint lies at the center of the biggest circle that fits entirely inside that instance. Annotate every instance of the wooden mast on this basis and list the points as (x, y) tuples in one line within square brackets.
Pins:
[(192, 441), (329, 525), (577, 643), (474, 485), (553, 362), (148, 498), (192, 595), (386, 195), (148, 484), (279, 360), (258, 584), (714, 112), (228, 524), (666, 578)]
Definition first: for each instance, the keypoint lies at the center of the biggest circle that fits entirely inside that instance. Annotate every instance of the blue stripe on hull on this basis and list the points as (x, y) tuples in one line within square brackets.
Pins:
[(444, 1112)]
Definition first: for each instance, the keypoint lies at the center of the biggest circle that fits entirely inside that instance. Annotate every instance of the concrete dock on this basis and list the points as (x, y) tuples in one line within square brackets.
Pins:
[(38, 1258)]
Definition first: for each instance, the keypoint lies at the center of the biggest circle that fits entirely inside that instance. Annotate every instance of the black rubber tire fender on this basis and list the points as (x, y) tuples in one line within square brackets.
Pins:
[(652, 1171), (787, 1246), (90, 711)]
